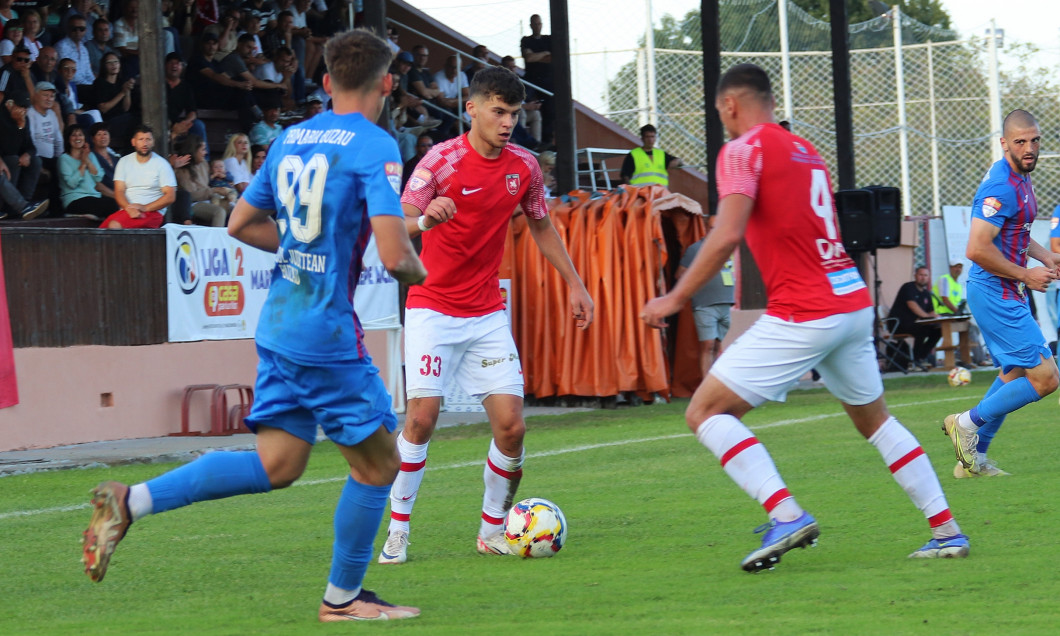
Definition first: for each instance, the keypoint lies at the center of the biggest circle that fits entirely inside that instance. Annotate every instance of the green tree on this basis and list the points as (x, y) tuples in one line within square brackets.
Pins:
[(929, 12)]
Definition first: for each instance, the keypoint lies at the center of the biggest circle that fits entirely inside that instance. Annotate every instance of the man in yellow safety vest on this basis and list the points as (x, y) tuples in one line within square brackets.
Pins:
[(947, 292), (647, 165)]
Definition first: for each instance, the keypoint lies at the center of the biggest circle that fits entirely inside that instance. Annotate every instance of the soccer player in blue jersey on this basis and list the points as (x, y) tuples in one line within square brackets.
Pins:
[(998, 245), (331, 182)]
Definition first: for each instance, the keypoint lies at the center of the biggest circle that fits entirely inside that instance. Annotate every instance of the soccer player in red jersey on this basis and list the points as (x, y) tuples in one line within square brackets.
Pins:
[(774, 190), (460, 198)]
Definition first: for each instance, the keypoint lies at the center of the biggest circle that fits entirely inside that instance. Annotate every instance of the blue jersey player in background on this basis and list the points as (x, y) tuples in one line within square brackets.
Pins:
[(998, 284), (330, 182)]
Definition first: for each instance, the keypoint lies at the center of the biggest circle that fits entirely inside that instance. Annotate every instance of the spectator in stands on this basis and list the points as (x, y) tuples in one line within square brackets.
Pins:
[(14, 203), (227, 32), (410, 109), (126, 38), (269, 128), (537, 55), (99, 139), (15, 76), (280, 70), (392, 37), (547, 161), (282, 36), (194, 178), (47, 135), (144, 185), (424, 143), (257, 154), (236, 68), (314, 105), (480, 59), (648, 165), (31, 31), (527, 132), (16, 144), (87, 9), (46, 66), (180, 102), (224, 189), (913, 303), (252, 27), (12, 39), (74, 48), (79, 177), (187, 14), (6, 12), (420, 78), (452, 87), (114, 97), (260, 9), (314, 44), (212, 88), (237, 161), (99, 45), (71, 109)]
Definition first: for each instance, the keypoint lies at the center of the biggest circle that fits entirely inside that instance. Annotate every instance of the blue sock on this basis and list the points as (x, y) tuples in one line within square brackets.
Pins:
[(357, 519), (212, 476), (1012, 396), (989, 430)]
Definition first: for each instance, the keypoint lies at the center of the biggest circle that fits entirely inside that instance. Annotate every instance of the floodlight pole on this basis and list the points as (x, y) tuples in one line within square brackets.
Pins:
[(903, 128)]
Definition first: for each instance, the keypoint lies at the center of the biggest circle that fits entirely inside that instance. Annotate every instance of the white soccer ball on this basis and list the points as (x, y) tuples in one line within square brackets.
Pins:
[(959, 376), (535, 528)]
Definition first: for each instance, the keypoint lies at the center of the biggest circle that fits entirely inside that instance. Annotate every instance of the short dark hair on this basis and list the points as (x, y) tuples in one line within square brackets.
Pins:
[(746, 76), (355, 59), (96, 127), (499, 81), (284, 14), (142, 128), (647, 128), (246, 37)]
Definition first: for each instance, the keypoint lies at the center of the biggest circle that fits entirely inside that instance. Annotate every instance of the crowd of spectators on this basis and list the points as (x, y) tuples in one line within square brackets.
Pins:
[(71, 94)]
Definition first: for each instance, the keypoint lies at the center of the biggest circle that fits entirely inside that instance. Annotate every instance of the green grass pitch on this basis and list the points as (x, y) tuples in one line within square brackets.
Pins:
[(657, 532)]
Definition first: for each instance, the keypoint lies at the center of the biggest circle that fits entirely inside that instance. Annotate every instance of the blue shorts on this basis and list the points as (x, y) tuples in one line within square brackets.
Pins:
[(347, 399), (1011, 333)]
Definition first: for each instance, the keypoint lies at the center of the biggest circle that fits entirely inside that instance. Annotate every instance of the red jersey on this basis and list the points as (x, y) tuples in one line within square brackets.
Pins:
[(793, 231), (463, 255)]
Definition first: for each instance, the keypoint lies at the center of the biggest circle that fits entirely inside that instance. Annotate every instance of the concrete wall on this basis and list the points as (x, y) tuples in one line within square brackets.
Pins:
[(73, 395)]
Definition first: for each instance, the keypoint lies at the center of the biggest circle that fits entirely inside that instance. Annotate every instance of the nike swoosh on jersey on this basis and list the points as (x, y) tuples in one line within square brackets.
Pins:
[(466, 191)]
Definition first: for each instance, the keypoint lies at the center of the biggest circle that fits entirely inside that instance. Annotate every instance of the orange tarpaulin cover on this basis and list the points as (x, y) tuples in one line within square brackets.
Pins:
[(620, 244)]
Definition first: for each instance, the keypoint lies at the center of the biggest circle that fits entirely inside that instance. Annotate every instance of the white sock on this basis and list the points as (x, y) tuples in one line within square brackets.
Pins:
[(747, 462), (338, 597), (407, 484), (912, 470), (501, 476), (964, 420), (140, 502), (980, 458)]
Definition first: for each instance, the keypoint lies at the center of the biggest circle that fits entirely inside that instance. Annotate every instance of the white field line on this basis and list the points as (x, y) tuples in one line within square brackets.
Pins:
[(551, 453)]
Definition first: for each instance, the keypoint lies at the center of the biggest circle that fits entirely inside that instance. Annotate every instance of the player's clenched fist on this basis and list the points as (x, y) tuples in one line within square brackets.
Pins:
[(439, 211)]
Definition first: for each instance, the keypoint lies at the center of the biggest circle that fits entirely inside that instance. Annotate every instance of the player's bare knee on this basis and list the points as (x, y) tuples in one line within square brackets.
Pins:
[(696, 414), (379, 471), (282, 474)]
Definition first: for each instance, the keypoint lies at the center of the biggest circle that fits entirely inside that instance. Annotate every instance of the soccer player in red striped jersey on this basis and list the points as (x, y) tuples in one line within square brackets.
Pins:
[(460, 199), (774, 190)]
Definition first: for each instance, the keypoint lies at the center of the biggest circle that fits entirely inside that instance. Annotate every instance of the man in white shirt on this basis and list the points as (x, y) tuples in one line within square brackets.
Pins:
[(47, 135), (144, 185)]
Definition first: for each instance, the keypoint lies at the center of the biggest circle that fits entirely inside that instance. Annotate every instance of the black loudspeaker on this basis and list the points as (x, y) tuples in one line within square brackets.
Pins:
[(887, 216), (856, 223)]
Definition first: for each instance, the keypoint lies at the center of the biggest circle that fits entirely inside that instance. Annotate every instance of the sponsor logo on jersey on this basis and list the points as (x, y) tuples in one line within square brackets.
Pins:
[(420, 178), (991, 206), (467, 191), (393, 175), (1054, 222), (512, 182), (801, 148)]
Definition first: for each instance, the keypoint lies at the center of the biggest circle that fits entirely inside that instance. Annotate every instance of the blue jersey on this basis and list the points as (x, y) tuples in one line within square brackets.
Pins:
[(1005, 199), (325, 178)]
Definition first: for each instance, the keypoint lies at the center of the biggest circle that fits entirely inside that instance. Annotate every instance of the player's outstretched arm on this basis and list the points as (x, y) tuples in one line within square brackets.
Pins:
[(982, 251), (254, 226), (396, 251), (733, 213), (552, 247)]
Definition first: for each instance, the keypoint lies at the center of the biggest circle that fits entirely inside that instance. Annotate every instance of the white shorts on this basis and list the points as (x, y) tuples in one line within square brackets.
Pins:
[(477, 353), (771, 356)]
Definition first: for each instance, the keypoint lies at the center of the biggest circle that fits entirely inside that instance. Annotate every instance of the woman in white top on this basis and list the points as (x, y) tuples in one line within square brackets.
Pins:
[(237, 161), (13, 36), (31, 28)]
